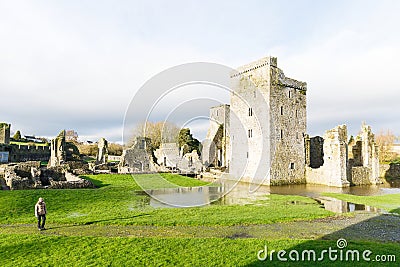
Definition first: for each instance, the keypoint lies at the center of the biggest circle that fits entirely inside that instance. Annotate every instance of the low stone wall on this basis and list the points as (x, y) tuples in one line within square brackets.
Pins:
[(72, 182), (324, 176), (29, 176), (20, 153), (360, 176)]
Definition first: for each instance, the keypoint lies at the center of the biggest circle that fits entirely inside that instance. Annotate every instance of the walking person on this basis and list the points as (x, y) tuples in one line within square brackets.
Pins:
[(40, 213)]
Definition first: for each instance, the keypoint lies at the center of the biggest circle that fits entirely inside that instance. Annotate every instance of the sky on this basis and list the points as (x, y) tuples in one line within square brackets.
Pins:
[(78, 64)]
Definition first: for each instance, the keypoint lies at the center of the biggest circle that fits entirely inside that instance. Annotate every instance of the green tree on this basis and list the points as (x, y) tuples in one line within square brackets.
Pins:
[(186, 139), (17, 135)]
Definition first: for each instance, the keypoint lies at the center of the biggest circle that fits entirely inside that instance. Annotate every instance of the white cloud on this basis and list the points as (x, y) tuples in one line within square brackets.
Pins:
[(77, 65)]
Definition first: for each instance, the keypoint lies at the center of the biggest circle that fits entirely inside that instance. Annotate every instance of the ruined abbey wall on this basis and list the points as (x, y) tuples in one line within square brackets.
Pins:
[(332, 156), (216, 147), (333, 160), (5, 133)]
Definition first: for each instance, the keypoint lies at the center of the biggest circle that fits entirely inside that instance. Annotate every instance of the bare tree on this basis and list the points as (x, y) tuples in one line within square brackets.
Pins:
[(385, 140), (158, 132)]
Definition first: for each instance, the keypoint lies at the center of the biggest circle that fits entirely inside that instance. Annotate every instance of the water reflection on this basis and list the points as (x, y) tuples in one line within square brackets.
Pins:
[(231, 192), (340, 206)]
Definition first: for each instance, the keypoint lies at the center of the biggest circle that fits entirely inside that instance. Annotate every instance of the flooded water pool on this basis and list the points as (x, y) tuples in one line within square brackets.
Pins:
[(225, 192)]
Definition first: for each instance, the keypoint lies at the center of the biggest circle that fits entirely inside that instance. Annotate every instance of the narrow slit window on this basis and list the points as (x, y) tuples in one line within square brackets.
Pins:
[(250, 131), (292, 166), (281, 134), (281, 110), (250, 111)]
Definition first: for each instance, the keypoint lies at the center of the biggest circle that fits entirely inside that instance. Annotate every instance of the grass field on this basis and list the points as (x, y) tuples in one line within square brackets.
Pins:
[(89, 228), (119, 200), (101, 251)]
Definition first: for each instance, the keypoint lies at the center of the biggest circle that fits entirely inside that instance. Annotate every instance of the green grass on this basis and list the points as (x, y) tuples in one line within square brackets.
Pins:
[(390, 202), (119, 200), (88, 159), (166, 180), (42, 250)]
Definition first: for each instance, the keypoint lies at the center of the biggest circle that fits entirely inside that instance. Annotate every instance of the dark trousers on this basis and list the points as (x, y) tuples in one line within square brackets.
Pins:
[(41, 218)]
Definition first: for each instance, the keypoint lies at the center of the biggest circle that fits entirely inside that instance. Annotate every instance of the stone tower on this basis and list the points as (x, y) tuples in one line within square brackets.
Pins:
[(267, 125), (5, 133)]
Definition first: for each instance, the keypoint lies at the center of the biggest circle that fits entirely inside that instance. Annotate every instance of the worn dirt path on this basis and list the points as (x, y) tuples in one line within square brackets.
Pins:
[(362, 226)]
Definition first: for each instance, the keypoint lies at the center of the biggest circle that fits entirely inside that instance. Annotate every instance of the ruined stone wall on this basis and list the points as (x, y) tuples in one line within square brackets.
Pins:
[(190, 163), (28, 175), (5, 133), (216, 146), (58, 154), (21, 153), (364, 164), (167, 155), (333, 172), (360, 176), (273, 135), (138, 158), (316, 152)]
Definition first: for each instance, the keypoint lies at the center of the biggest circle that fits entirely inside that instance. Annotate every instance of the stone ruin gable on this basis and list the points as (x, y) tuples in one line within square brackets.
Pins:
[(168, 155), (190, 163), (4, 133), (138, 158), (57, 151), (29, 175), (102, 151), (216, 146), (333, 171), (364, 159), (279, 103)]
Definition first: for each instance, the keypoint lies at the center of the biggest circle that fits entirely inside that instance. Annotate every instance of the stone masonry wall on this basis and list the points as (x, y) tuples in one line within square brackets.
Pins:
[(216, 145), (5, 133), (268, 122), (334, 170)]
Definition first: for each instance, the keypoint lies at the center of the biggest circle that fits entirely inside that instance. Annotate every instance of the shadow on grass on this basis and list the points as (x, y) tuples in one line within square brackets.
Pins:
[(380, 235), (98, 221), (97, 183), (115, 219)]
